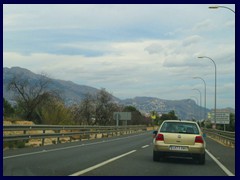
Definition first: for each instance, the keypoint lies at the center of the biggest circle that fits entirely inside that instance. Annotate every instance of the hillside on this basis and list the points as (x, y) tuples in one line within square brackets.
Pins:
[(69, 91), (184, 109), (74, 93)]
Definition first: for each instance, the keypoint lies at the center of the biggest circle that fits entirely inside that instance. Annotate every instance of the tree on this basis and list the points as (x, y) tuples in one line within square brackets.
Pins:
[(95, 110), (231, 125), (137, 117), (55, 112), (84, 113), (170, 116), (202, 124), (155, 119), (129, 109), (104, 108), (8, 110), (30, 94), (232, 122)]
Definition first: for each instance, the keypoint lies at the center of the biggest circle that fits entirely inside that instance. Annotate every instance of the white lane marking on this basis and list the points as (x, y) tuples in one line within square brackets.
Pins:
[(70, 147), (145, 146), (101, 164), (229, 173)]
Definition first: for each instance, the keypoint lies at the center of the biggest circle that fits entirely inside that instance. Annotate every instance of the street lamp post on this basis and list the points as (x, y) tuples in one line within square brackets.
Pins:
[(216, 7), (205, 91), (200, 100), (215, 101)]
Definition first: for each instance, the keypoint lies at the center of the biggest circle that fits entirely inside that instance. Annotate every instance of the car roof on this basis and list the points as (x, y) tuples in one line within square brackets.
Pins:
[(184, 121)]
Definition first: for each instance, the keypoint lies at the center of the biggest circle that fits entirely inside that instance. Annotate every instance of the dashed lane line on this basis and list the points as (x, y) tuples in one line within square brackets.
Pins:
[(145, 146)]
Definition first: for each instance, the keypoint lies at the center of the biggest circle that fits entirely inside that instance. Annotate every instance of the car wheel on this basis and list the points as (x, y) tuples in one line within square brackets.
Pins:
[(155, 156)]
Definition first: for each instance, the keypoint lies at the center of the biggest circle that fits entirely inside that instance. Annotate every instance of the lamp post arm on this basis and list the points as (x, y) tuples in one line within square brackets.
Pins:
[(227, 8), (216, 7)]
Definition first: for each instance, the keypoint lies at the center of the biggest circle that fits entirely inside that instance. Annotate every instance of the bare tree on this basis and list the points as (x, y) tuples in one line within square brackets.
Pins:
[(84, 112), (95, 110), (105, 108), (76, 113), (30, 94), (88, 109)]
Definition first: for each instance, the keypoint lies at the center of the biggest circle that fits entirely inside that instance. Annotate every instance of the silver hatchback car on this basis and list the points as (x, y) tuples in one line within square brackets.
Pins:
[(177, 138)]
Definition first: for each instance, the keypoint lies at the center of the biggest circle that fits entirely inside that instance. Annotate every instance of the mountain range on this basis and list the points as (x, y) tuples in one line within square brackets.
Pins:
[(74, 93)]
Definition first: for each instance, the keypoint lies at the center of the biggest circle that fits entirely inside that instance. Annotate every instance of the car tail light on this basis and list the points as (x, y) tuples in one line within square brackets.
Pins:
[(160, 137), (198, 139)]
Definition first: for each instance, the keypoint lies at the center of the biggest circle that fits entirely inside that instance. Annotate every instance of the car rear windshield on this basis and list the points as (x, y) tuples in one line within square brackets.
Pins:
[(179, 127)]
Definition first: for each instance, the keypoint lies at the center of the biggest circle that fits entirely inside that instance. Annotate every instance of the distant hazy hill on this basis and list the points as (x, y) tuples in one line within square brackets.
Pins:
[(72, 93), (184, 109), (69, 91)]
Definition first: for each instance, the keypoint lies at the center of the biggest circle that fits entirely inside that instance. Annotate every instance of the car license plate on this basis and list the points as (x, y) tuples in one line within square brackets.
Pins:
[(178, 148)]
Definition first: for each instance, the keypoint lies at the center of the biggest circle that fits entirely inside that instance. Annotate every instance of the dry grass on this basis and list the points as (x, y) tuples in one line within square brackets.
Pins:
[(38, 142), (31, 142), (48, 141)]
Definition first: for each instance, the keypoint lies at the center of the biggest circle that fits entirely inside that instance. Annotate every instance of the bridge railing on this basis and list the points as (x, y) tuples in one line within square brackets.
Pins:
[(73, 132), (225, 137)]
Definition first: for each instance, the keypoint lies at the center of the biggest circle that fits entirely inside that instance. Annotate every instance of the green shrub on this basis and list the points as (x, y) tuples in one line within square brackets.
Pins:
[(20, 144)]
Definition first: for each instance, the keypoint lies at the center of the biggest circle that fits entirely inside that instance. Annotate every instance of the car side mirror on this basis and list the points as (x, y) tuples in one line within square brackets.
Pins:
[(204, 135), (154, 133)]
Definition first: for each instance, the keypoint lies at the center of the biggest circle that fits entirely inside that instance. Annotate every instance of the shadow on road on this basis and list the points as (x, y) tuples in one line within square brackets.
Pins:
[(178, 160)]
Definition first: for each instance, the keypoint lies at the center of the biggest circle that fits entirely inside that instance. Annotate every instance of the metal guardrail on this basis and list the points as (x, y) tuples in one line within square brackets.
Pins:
[(27, 132), (226, 137)]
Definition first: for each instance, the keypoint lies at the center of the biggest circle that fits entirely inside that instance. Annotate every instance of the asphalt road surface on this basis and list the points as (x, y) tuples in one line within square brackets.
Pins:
[(129, 155)]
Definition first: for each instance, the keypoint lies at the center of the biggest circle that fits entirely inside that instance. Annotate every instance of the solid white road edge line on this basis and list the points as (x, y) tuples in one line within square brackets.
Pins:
[(101, 164), (229, 173)]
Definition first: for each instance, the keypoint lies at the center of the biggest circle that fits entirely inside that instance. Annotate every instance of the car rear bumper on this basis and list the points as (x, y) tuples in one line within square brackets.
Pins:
[(190, 150)]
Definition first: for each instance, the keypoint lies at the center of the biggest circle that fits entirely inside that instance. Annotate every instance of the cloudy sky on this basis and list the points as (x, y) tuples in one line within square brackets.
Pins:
[(130, 50)]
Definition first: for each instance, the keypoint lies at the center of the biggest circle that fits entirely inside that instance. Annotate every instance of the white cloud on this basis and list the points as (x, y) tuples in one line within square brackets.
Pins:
[(205, 25), (191, 40), (131, 50)]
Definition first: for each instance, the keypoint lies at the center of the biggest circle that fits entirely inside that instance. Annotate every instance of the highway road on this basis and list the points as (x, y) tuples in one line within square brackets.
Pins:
[(129, 155)]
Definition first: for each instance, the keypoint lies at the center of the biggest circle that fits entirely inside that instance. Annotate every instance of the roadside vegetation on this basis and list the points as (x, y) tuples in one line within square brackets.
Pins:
[(36, 103)]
